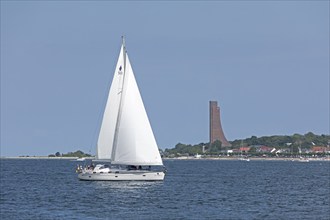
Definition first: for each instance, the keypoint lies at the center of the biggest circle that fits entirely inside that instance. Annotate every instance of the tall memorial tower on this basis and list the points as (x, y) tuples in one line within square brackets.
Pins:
[(216, 132)]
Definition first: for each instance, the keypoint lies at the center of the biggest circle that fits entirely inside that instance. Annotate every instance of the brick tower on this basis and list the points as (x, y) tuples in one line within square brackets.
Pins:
[(216, 132)]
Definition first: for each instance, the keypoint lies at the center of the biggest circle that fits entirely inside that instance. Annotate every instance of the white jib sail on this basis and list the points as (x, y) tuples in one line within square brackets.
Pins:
[(135, 143), (108, 126)]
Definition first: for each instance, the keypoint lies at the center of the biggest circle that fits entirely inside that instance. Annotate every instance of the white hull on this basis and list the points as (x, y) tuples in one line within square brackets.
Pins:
[(123, 176), (244, 159), (303, 161)]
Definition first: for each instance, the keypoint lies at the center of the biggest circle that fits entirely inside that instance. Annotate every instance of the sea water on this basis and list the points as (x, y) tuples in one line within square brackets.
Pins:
[(192, 189)]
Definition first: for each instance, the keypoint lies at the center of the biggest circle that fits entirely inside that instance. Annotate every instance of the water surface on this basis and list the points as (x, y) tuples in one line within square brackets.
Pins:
[(192, 189)]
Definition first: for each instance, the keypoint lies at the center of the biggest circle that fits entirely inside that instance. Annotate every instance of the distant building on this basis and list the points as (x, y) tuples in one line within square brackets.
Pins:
[(244, 149), (319, 149), (263, 148), (216, 132)]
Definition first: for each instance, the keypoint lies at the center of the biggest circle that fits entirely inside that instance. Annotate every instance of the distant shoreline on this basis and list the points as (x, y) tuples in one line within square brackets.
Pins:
[(46, 157), (251, 158), (178, 158)]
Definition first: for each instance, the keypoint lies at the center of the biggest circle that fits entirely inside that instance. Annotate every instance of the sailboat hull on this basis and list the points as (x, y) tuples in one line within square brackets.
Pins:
[(123, 176)]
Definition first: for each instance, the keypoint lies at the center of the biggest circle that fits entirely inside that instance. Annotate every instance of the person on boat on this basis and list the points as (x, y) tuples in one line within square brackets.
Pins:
[(132, 167), (78, 169)]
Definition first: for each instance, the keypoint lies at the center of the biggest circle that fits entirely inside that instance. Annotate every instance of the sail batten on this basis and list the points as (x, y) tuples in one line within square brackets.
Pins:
[(126, 136)]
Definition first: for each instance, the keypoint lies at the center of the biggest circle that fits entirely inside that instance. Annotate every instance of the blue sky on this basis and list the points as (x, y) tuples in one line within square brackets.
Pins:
[(266, 63)]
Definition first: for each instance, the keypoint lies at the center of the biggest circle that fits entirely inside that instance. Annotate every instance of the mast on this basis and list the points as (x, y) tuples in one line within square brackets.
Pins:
[(115, 140), (124, 54)]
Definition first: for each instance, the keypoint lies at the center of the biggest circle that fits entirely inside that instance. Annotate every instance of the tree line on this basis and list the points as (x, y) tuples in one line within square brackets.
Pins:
[(294, 142), (78, 153)]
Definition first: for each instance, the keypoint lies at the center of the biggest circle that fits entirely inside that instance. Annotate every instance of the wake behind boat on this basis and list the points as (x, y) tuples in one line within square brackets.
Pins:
[(126, 139)]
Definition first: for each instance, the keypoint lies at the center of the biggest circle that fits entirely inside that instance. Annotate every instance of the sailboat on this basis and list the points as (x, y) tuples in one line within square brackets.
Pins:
[(243, 157), (301, 158), (126, 139)]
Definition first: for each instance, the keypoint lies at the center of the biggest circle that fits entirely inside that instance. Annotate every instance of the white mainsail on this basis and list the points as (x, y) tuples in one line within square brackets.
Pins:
[(108, 126), (126, 136)]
